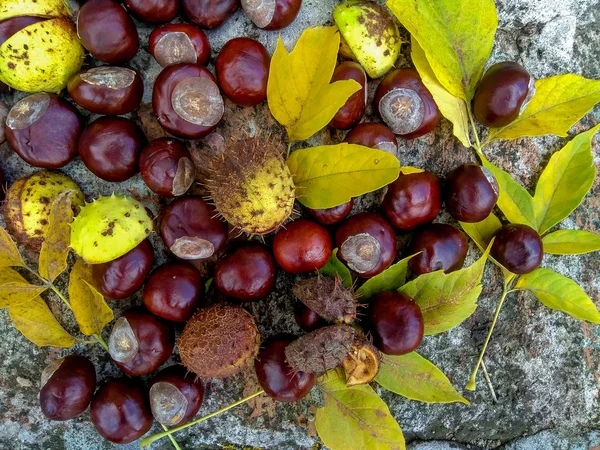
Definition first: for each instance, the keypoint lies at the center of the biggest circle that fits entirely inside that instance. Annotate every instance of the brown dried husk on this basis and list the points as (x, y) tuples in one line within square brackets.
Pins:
[(328, 298), (362, 363)]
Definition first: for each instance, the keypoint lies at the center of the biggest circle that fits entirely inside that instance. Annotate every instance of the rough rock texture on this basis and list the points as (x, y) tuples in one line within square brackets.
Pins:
[(544, 365)]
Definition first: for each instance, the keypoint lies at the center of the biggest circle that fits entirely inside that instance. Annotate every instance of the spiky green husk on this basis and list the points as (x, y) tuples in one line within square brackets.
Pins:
[(328, 298)]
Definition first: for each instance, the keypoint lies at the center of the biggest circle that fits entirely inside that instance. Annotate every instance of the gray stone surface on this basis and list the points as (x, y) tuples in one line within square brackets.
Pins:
[(544, 365)]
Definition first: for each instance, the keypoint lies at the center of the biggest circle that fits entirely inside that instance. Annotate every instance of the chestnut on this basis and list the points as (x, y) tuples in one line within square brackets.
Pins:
[(107, 90), (278, 379), (441, 247), (502, 94), (175, 396), (120, 411), (247, 273), (67, 387), (306, 318), (395, 322), (179, 43), (405, 104), (186, 101), (242, 69), (471, 193), (166, 167), (366, 243), (174, 291), (331, 216), (271, 14), (412, 200), (153, 11), (3, 113), (43, 129), (122, 277), (13, 25), (518, 247), (302, 246), (354, 109), (190, 229), (373, 135), (107, 31), (110, 148), (209, 14)]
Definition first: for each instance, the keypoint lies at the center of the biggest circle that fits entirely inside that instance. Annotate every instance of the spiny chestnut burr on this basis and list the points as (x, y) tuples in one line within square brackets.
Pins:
[(328, 298), (107, 31), (502, 94), (166, 167), (107, 90), (373, 135), (271, 14), (471, 193), (354, 109), (242, 69), (153, 11), (176, 43), (441, 247), (306, 318), (67, 387), (209, 14), (405, 104), (366, 243), (331, 216), (518, 247), (43, 129), (190, 229), (412, 200), (303, 246)]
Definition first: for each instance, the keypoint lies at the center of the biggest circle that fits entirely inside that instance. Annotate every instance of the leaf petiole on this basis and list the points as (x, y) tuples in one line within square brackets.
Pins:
[(99, 340), (477, 144), (173, 441), (289, 148)]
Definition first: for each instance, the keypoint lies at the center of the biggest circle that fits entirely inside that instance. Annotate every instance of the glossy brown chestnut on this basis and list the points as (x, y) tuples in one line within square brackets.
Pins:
[(190, 229), (107, 90), (43, 129), (276, 376), (153, 11), (176, 43), (471, 193), (243, 71), (110, 148), (405, 104), (503, 93), (209, 14), (247, 273), (187, 101), (306, 318), (166, 167), (271, 14), (518, 247), (67, 387), (174, 291), (8, 27), (302, 246), (3, 113), (331, 216), (354, 109), (441, 247), (107, 31), (396, 323), (120, 411), (412, 200), (122, 277), (366, 244), (373, 135)]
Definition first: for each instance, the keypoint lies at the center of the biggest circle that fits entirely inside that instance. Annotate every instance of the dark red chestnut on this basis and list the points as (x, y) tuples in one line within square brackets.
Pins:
[(120, 411), (187, 101), (243, 71), (276, 376), (412, 200), (331, 216), (271, 14), (67, 387), (518, 247), (190, 229), (3, 113), (442, 247), (503, 93), (153, 11), (354, 109), (405, 104), (167, 168), (373, 135), (174, 396), (396, 323), (302, 246), (306, 318), (8, 27), (107, 90), (247, 273), (366, 243), (122, 277), (176, 43), (107, 31), (43, 129), (110, 148), (471, 193), (174, 291), (209, 14)]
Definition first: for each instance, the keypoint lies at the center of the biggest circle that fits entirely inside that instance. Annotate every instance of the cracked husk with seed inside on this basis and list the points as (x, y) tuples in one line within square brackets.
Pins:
[(362, 363), (328, 298)]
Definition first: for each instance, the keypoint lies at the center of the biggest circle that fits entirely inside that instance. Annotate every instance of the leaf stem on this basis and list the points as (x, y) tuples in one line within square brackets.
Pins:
[(173, 441), (100, 340), (60, 295), (37, 275), (289, 148), (489, 381), (477, 142)]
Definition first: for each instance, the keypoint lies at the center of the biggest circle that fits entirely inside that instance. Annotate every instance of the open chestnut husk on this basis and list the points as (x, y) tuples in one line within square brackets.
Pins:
[(176, 43), (166, 167)]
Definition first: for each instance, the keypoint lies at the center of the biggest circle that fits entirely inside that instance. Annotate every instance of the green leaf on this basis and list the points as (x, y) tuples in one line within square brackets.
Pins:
[(482, 232), (456, 36), (558, 104), (355, 418), (335, 267), (565, 181), (55, 248), (414, 377), (330, 175), (571, 242), (559, 292), (390, 279), (9, 253)]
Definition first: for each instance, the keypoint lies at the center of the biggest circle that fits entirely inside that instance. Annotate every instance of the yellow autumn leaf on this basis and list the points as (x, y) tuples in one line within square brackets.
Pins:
[(9, 253), (299, 92)]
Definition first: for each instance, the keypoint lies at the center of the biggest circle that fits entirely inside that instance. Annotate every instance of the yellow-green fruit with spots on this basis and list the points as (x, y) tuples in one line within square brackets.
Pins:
[(108, 228), (38, 8)]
